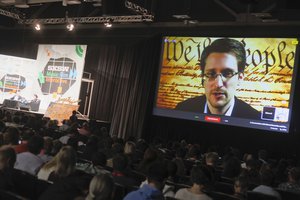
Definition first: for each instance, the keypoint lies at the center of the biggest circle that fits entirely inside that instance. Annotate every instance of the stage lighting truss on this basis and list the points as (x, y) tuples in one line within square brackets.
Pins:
[(136, 8), (91, 20), (143, 17), (10, 14)]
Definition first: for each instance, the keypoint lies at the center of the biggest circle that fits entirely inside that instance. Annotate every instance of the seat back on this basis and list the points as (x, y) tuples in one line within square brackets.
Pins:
[(28, 185), (288, 195), (121, 191), (251, 195), (222, 196), (7, 195), (224, 187)]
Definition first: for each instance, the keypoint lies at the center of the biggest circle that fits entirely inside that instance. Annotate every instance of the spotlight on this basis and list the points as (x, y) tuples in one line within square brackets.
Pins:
[(70, 27), (108, 23), (97, 3), (21, 4), (70, 2), (37, 27)]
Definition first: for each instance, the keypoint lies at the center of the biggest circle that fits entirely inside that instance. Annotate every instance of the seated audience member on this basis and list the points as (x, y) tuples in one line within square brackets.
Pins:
[(85, 129), (11, 136), (101, 188), (241, 187), (116, 149), (90, 147), (211, 159), (61, 165), (179, 156), (246, 157), (121, 173), (196, 192), (266, 181), (7, 161), (157, 173), (29, 161), (232, 167), (73, 118), (45, 154), (168, 190), (57, 145), (65, 126), (97, 165), (293, 183), (281, 173), (150, 156), (26, 135), (262, 156), (252, 171), (129, 150)]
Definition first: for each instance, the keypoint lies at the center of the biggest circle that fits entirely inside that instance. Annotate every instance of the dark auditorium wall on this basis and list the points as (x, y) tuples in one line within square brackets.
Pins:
[(24, 43)]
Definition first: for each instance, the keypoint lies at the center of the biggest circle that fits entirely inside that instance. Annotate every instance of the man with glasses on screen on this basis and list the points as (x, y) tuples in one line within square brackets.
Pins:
[(222, 64)]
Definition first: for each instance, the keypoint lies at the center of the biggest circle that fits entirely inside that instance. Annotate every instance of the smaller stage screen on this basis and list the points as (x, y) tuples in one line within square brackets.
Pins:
[(34, 84), (246, 82)]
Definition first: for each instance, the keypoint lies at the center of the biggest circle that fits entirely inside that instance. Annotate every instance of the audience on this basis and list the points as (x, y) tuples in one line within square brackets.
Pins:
[(167, 168), (96, 166)]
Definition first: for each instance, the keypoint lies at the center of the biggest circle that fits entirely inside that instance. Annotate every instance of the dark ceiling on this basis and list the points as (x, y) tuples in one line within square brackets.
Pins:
[(163, 11)]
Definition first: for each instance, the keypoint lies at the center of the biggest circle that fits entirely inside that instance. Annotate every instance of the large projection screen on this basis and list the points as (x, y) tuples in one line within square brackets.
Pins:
[(267, 86)]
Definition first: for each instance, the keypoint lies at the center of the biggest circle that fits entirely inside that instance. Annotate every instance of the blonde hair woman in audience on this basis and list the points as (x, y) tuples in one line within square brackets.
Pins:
[(101, 188), (129, 147), (62, 165)]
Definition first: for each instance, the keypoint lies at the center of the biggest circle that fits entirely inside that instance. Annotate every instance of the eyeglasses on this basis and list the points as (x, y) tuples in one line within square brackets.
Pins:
[(227, 74)]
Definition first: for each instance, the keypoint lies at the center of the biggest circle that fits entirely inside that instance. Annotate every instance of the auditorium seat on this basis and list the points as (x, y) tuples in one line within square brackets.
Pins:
[(121, 191), (7, 195), (288, 195), (28, 185), (224, 187), (170, 198), (221, 196), (251, 195)]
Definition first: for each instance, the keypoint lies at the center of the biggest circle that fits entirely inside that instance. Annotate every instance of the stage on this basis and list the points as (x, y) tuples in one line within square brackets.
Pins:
[(81, 118)]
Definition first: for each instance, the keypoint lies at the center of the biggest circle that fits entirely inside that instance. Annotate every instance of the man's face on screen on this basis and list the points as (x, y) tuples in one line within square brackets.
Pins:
[(221, 79)]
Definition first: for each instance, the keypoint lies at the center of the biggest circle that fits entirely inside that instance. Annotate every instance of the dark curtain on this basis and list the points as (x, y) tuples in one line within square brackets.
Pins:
[(123, 81)]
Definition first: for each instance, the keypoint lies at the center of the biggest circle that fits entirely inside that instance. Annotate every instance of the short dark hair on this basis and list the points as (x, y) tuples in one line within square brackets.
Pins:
[(120, 162), (225, 45), (35, 144), (198, 176), (7, 153), (157, 171), (99, 158), (11, 136), (295, 173)]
